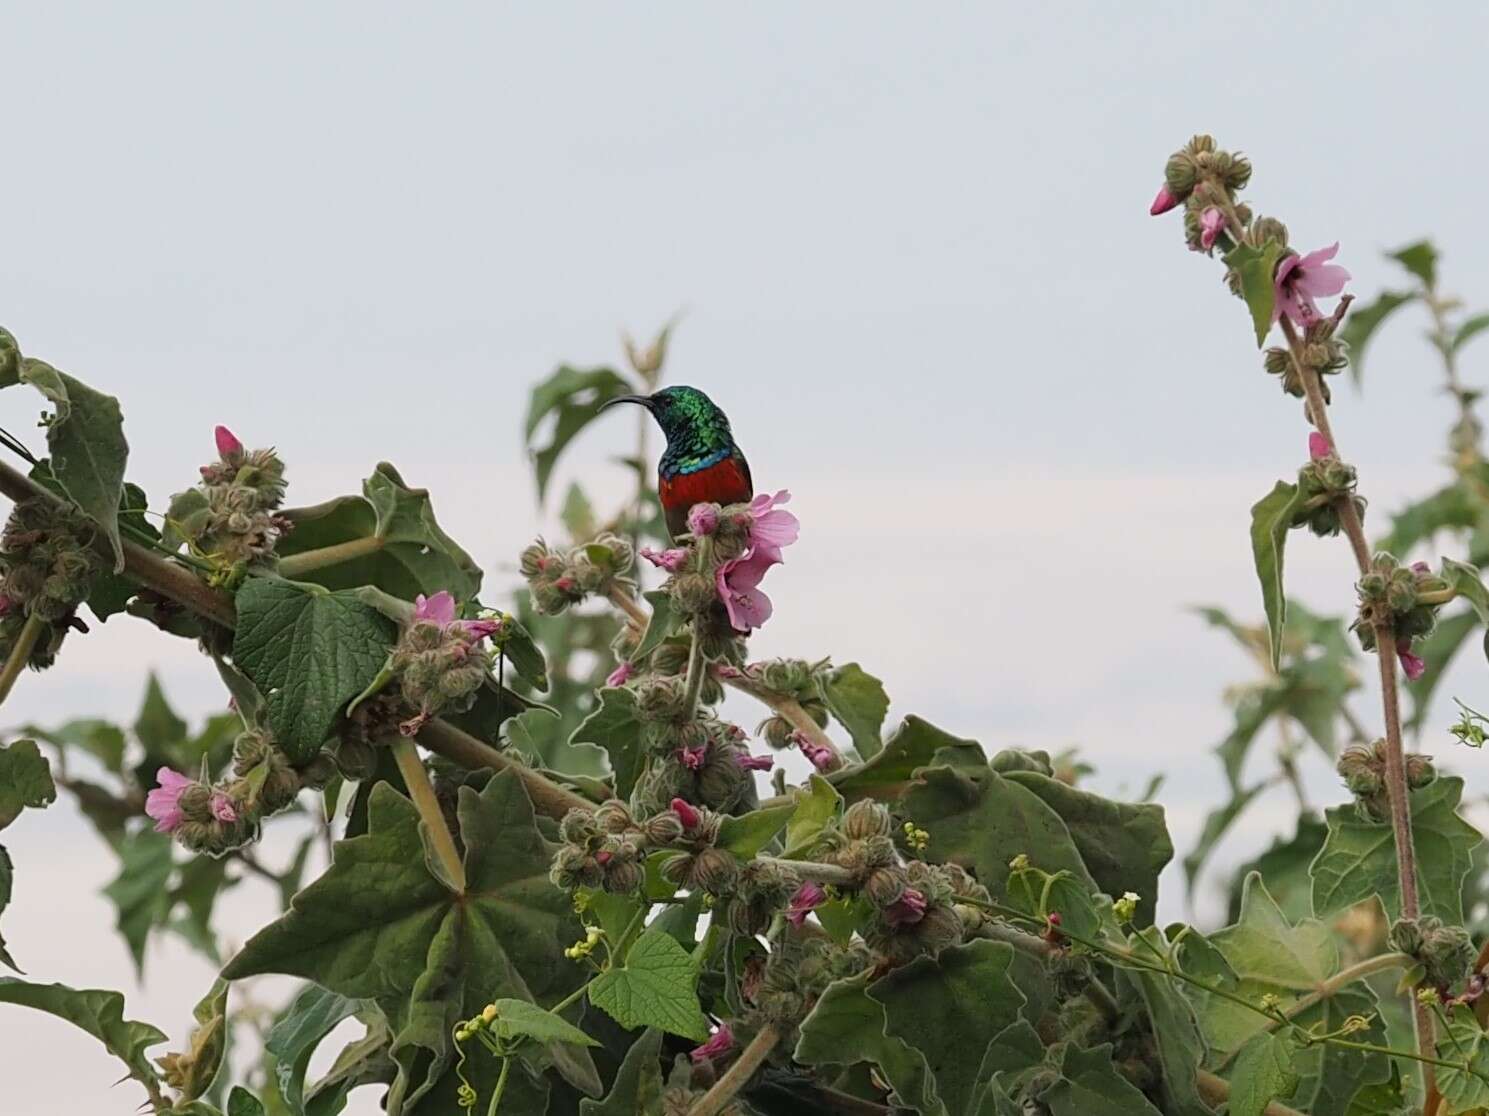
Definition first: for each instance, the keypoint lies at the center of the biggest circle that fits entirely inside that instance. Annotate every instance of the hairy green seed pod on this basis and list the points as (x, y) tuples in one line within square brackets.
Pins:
[(622, 877), (885, 886), (578, 827), (867, 818), (662, 829)]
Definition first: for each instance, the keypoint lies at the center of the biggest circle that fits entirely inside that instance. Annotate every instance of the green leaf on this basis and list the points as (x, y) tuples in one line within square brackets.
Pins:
[(1463, 1091), (1358, 859), (657, 987), (10, 359), (378, 925), (746, 834), (578, 515), (1264, 1073), (1271, 955), (982, 820), (1256, 268), (516, 1018), (139, 892), (95, 1010), (1384, 1098), (1181, 1049), (240, 1102), (112, 592), (1271, 518), (525, 655), (1217, 822), (208, 1041), (310, 652), (660, 625), (85, 441), (97, 737), (574, 396), (1362, 323), (25, 780), (638, 1086), (157, 727), (915, 744), (292, 1040), (7, 884), (814, 810), (1284, 865), (1420, 259), (846, 1026), (950, 1008), (1469, 330), (1123, 845), (1469, 585), (858, 701), (615, 727), (404, 550), (1090, 1085), (1454, 508)]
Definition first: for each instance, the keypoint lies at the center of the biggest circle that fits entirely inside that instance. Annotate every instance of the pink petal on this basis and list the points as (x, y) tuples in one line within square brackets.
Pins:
[(720, 1042), (670, 560), (693, 758), (907, 910), (754, 763), (685, 814), (1320, 256), (222, 808), (1165, 201), (1318, 446), (227, 442), (1323, 282), (809, 896), (480, 629), (438, 609), (1412, 665), (619, 675), (1211, 224)]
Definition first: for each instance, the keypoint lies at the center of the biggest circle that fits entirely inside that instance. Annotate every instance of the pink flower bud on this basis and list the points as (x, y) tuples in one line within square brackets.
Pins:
[(222, 807), (703, 519), (1211, 225), (719, 1043), (620, 675), (1411, 665), (603, 857), (1163, 202), (754, 763), (907, 910), (809, 896), (694, 757), (685, 814), (670, 560), (1421, 568), (1318, 446), (6, 604), (227, 443)]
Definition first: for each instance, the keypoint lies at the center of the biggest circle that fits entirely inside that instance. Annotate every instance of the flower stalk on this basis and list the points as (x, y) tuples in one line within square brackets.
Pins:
[(20, 654), (411, 767), (293, 566)]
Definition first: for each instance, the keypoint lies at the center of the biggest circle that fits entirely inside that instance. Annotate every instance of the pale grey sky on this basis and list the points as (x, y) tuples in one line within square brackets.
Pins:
[(1022, 425)]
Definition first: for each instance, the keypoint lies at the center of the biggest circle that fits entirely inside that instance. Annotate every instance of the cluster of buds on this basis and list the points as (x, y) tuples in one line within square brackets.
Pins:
[(1323, 484), (1204, 180), (558, 579), (1404, 599), (49, 564), (190, 1072), (1320, 351), (762, 889), (607, 849), (702, 759), (231, 517), (781, 989), (438, 660), (1363, 769), (1446, 953), (586, 945), (796, 679), (700, 866)]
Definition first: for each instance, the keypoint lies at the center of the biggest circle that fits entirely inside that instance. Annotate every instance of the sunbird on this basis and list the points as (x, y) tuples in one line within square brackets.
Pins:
[(701, 464)]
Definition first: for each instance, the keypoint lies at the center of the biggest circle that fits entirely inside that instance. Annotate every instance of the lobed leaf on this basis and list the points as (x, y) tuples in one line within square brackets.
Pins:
[(656, 987), (1271, 518), (25, 780)]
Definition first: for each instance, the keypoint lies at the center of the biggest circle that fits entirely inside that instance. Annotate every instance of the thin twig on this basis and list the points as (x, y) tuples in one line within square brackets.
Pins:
[(738, 1076)]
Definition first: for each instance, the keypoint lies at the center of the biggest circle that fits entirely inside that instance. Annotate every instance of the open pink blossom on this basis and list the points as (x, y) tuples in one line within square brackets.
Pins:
[(164, 802), (1165, 201), (222, 807), (686, 813), (694, 757), (808, 897), (440, 609), (1211, 225), (738, 581), (754, 763), (620, 675), (670, 560), (907, 910), (1318, 446), (1301, 279), (1411, 665), (718, 1044), (227, 442), (772, 527)]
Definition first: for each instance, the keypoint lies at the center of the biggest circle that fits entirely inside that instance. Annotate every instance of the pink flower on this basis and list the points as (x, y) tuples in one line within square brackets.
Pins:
[(822, 757), (685, 814), (754, 763), (1411, 665), (693, 757), (738, 582), (1211, 225), (719, 1043), (440, 609), (1421, 568), (809, 896), (604, 857), (620, 675), (670, 560), (703, 519), (1318, 446), (772, 527), (1301, 279), (227, 442), (907, 910), (1163, 202), (164, 802), (6, 604), (222, 807)]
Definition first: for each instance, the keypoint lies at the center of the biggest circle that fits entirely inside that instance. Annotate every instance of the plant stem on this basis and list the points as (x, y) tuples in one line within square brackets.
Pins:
[(627, 604), (822, 873), (297, 565), (784, 706), (20, 653), (501, 1087), (1385, 654), (697, 672), (717, 1099), (422, 792), (459, 746)]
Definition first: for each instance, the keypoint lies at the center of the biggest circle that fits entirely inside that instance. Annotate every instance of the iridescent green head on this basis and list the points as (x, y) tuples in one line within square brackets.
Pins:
[(697, 431)]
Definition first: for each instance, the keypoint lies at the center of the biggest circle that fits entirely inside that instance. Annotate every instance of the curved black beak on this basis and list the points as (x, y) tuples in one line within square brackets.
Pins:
[(640, 400)]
